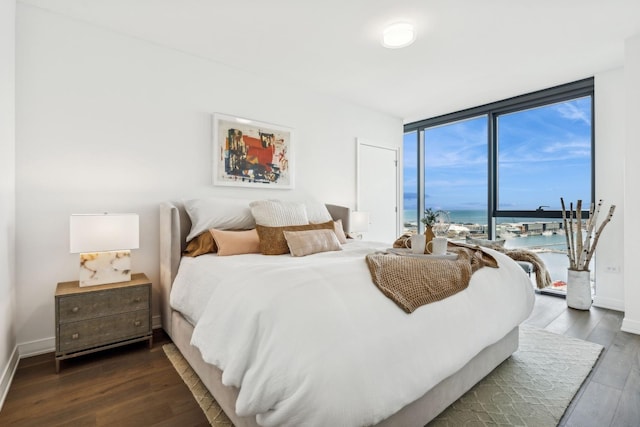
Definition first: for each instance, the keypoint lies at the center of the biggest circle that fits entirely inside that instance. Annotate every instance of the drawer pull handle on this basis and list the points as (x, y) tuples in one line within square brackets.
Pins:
[(75, 336), (137, 323), (75, 309), (138, 299)]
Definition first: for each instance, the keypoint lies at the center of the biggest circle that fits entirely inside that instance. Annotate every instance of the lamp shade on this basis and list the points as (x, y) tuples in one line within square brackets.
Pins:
[(103, 232), (359, 221)]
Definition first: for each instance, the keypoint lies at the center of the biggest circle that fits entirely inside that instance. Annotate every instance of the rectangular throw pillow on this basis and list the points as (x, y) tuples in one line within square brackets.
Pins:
[(303, 243), (236, 242), (202, 244), (278, 213), (219, 213), (273, 242)]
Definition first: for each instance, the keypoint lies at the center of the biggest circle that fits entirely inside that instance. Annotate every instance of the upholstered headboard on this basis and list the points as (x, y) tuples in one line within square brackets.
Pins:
[(174, 228)]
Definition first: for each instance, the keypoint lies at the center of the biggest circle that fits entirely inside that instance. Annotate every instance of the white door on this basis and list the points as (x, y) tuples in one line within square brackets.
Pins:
[(378, 190)]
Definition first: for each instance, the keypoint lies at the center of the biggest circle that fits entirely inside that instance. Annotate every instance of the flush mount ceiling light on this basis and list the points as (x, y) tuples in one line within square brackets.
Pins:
[(400, 34)]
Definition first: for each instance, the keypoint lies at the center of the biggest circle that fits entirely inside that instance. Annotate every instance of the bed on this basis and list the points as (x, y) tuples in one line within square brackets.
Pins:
[(502, 339)]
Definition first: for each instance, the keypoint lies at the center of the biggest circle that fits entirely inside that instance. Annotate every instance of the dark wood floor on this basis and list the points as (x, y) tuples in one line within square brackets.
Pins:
[(133, 386), (610, 396), (127, 386)]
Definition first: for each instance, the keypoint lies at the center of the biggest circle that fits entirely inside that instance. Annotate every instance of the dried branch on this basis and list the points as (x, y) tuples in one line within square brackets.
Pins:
[(579, 233), (598, 233), (580, 249), (591, 222), (566, 233), (572, 241)]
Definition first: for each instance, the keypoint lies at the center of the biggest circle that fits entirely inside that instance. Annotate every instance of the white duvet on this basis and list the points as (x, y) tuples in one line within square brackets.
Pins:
[(312, 342)]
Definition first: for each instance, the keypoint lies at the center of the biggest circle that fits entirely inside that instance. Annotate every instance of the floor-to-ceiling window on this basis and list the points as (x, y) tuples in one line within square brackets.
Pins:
[(500, 170)]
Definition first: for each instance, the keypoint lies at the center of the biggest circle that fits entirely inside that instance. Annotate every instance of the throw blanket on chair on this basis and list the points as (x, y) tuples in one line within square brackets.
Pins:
[(415, 281), (543, 278)]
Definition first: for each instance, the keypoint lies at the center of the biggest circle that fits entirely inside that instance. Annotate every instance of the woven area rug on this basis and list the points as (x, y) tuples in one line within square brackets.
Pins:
[(532, 388)]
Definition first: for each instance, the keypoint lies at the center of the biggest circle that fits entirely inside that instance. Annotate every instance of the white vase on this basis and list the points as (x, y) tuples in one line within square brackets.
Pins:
[(579, 289)]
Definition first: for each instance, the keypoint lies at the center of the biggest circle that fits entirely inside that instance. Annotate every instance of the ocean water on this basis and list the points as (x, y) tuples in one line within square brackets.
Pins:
[(458, 217), (466, 217)]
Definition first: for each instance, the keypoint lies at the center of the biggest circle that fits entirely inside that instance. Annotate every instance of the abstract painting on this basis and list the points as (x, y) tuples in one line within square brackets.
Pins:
[(248, 153)]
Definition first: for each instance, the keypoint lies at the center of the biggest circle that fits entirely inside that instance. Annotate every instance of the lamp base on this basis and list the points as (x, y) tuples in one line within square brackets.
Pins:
[(100, 268)]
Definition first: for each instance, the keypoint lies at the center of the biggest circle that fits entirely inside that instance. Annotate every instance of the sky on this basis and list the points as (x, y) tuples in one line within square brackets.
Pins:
[(543, 154)]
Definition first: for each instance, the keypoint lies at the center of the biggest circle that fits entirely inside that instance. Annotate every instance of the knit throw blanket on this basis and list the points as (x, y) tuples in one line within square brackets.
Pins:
[(415, 281), (543, 278)]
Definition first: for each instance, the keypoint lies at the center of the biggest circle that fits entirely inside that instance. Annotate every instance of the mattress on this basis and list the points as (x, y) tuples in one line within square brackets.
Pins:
[(312, 341)]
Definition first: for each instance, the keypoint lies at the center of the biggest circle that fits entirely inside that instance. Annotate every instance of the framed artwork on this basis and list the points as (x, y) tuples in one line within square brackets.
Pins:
[(248, 153)]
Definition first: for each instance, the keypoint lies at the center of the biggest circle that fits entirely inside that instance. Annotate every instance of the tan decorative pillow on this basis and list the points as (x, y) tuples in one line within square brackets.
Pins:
[(339, 230), (273, 242), (202, 244), (236, 242), (302, 243)]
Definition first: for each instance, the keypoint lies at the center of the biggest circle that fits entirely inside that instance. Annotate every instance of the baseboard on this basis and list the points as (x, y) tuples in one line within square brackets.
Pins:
[(7, 375), (156, 322), (632, 326), (34, 348), (609, 303)]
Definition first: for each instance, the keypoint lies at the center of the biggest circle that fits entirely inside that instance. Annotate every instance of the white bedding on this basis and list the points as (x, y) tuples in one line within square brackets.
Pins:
[(312, 341)]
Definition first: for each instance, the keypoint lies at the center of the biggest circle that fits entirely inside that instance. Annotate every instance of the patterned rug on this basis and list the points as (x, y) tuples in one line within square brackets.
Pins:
[(532, 388)]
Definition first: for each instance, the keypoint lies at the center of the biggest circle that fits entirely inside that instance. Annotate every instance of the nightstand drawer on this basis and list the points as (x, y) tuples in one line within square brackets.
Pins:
[(105, 330), (102, 303)]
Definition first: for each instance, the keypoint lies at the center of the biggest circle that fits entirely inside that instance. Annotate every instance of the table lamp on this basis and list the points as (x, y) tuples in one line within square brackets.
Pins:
[(359, 224), (103, 242)]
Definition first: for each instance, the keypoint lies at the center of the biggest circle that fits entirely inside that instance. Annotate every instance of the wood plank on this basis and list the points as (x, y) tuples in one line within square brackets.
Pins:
[(596, 406), (628, 411), (614, 369)]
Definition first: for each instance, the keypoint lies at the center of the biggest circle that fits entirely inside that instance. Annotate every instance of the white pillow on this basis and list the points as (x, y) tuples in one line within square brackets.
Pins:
[(278, 213), (317, 212), (218, 213)]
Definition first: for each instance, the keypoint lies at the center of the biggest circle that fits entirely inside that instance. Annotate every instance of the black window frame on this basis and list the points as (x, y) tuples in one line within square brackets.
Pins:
[(492, 111)]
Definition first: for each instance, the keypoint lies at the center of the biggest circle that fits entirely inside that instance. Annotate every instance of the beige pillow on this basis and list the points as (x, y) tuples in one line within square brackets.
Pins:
[(272, 241), (278, 213), (236, 242), (302, 243), (202, 244), (339, 230)]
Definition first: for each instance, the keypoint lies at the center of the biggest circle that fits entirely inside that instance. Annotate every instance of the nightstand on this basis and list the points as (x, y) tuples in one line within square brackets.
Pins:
[(94, 318)]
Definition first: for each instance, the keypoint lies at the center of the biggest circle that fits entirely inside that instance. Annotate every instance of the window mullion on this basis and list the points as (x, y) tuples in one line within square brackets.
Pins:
[(421, 175)]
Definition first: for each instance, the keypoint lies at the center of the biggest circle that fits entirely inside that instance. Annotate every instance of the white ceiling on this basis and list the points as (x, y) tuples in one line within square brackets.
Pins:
[(468, 52)]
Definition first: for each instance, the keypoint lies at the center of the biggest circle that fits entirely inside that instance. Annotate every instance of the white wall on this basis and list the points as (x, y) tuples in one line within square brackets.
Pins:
[(631, 322), (610, 141), (106, 122), (8, 358)]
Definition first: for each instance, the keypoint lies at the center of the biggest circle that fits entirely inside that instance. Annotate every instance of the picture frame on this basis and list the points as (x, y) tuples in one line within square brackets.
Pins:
[(250, 153)]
